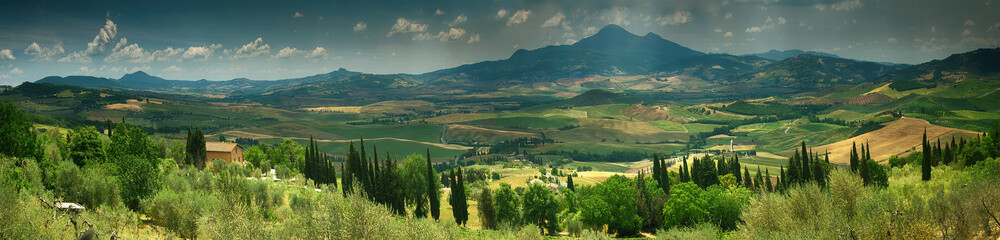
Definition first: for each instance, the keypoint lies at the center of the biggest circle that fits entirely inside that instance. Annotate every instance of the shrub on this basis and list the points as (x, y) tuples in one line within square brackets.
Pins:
[(700, 231)]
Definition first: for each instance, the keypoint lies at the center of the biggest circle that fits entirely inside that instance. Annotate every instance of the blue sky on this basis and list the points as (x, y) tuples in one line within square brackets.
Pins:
[(221, 40)]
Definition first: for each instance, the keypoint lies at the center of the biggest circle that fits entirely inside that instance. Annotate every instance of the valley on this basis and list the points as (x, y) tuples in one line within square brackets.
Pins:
[(604, 110)]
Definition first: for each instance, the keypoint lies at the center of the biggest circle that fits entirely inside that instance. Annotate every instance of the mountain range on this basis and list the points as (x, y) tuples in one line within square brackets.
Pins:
[(613, 58)]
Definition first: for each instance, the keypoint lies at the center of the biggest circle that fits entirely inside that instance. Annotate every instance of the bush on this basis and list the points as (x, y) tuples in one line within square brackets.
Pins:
[(179, 212), (700, 231)]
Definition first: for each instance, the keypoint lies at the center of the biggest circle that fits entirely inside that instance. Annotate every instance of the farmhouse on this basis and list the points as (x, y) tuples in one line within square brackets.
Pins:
[(231, 152)]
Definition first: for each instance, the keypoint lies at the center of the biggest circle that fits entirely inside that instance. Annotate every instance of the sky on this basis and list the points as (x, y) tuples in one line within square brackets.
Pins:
[(266, 40)]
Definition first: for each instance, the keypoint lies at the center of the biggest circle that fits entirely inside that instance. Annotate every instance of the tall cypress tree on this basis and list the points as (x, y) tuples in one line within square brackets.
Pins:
[(805, 174), (854, 157), (199, 147), (569, 183), (767, 181), (793, 167), (458, 200), (188, 146), (685, 172), (926, 163), (433, 195), (747, 180), (734, 168)]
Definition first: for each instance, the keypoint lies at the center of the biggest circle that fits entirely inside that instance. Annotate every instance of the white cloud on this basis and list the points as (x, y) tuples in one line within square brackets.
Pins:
[(84, 70), (728, 34), (97, 46), (169, 54), (451, 34), (718, 30), (969, 23), (173, 69), (298, 15), (933, 29), (288, 52), (995, 27), (201, 52), (16, 71), (361, 26), (679, 17), (841, 6), (554, 20), (318, 52), (967, 33), (754, 29), (501, 13), (252, 49), (893, 40), (439, 12), (617, 16), (7, 54), (103, 38), (519, 17), (40, 53), (782, 20), (729, 16), (458, 20), (474, 39), (128, 52), (404, 25)]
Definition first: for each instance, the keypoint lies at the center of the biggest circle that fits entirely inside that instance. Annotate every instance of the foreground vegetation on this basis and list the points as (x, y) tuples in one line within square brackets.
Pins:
[(136, 186)]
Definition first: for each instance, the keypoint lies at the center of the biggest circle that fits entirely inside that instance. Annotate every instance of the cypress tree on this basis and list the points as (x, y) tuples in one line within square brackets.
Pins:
[(686, 174), (747, 180), (926, 162), (433, 195), (758, 180), (767, 181), (569, 183), (864, 170), (783, 179), (806, 174), (854, 157), (735, 168), (793, 167), (200, 148), (188, 146)]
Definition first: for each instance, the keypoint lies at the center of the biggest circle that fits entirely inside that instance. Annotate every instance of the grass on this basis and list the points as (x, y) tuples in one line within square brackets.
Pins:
[(668, 125), (604, 111), (607, 147), (397, 149)]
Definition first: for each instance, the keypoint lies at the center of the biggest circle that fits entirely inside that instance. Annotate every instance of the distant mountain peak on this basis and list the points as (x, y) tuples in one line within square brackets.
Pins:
[(137, 74), (613, 29)]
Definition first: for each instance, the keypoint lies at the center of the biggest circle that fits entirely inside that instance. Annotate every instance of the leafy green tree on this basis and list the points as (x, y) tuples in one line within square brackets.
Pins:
[(255, 156), (16, 137), (540, 208), (685, 207), (138, 178), (487, 214), (611, 204), (414, 176), (130, 140), (289, 153), (85, 146), (507, 205)]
